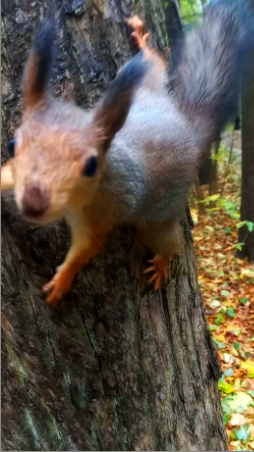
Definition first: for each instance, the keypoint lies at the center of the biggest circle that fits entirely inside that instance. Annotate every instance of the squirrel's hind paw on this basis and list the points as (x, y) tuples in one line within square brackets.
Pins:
[(59, 285), (159, 268), (53, 291)]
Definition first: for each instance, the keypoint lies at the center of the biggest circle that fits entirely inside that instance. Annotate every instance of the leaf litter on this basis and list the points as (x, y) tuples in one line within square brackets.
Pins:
[(227, 285)]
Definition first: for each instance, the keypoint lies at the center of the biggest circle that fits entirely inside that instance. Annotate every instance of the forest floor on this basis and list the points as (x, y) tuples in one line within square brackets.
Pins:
[(227, 285)]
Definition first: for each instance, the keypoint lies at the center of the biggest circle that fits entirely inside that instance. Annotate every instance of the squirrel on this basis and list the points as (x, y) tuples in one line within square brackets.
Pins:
[(133, 158)]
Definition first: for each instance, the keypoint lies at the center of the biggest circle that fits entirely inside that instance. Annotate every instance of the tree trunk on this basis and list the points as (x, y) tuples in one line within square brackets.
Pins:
[(116, 366), (247, 198), (173, 22)]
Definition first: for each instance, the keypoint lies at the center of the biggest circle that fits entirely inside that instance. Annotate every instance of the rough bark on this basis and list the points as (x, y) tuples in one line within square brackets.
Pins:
[(116, 366), (247, 197)]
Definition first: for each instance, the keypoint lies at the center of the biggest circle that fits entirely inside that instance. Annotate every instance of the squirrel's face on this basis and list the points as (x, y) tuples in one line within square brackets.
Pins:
[(56, 164), (52, 169), (59, 150)]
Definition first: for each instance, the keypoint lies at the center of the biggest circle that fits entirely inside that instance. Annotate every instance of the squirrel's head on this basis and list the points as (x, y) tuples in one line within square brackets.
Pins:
[(58, 153)]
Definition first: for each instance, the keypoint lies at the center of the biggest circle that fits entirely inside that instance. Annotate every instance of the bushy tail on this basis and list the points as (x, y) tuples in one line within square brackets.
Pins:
[(212, 63)]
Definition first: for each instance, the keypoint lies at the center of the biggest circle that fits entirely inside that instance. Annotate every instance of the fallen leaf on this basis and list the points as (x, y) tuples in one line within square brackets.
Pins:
[(225, 387), (248, 366), (243, 433), (214, 304), (237, 419), (237, 403), (247, 272)]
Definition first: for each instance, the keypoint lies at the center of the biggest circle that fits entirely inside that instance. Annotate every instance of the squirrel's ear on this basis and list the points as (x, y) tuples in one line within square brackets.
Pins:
[(112, 112), (37, 71)]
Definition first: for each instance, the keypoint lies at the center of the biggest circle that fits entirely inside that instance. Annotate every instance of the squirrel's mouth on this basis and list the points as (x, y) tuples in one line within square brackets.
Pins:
[(43, 219)]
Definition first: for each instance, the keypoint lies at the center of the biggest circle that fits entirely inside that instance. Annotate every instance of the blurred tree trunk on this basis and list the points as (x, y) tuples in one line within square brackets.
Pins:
[(173, 23), (247, 198), (115, 366)]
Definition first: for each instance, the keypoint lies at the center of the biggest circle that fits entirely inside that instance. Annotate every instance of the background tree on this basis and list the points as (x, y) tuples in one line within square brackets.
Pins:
[(246, 233), (116, 366)]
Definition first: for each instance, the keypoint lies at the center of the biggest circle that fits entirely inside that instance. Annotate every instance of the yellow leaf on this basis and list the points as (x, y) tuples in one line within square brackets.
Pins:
[(237, 383), (234, 352), (194, 215), (234, 443), (247, 272), (225, 387), (220, 337), (251, 444), (248, 366)]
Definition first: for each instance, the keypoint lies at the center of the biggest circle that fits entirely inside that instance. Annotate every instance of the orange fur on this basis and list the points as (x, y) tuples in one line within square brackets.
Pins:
[(86, 243), (7, 182)]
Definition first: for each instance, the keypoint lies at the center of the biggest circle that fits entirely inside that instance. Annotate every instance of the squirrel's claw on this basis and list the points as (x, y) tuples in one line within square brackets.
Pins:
[(160, 269), (149, 269)]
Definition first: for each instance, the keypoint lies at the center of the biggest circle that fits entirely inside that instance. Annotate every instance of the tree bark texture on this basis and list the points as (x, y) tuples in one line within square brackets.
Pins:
[(247, 198), (116, 366)]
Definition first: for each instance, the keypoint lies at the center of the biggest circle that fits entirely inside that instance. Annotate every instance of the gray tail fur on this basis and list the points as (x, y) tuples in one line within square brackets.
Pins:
[(212, 64)]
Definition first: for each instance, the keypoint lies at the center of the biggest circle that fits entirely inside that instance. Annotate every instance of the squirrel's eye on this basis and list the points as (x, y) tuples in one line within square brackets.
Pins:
[(90, 167), (11, 147)]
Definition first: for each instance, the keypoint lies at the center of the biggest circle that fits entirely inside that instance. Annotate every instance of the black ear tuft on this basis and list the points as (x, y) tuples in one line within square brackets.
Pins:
[(44, 50), (113, 111), (40, 63), (127, 79)]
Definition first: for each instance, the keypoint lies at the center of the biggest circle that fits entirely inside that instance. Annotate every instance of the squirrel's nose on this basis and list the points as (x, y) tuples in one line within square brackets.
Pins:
[(35, 201)]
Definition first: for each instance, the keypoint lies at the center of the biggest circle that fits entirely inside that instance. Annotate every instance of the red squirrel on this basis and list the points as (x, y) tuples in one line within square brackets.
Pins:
[(133, 157)]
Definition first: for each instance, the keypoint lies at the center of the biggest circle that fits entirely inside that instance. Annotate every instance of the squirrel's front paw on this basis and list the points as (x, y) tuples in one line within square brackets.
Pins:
[(58, 286), (159, 268)]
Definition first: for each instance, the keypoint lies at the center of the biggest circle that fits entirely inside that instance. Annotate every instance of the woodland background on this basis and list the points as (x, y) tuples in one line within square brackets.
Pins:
[(223, 225)]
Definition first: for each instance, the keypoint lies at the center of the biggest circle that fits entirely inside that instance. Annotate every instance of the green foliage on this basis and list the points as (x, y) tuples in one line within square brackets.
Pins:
[(220, 318), (249, 224), (219, 345), (236, 345), (244, 300), (225, 387), (220, 156), (190, 9), (231, 312), (213, 327), (237, 403), (226, 418), (230, 207), (239, 246), (242, 433)]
